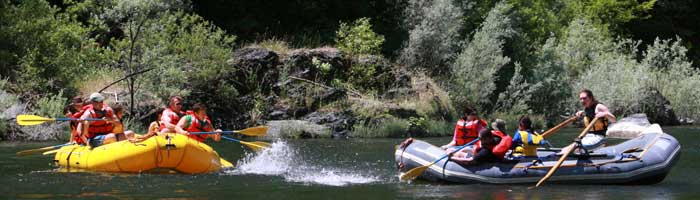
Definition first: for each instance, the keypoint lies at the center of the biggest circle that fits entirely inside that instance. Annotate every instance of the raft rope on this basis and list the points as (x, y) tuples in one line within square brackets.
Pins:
[(403, 146)]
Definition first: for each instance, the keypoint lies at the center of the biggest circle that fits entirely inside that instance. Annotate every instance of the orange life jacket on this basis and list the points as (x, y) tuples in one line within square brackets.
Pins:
[(197, 125), (500, 149), (174, 117), (465, 131), (600, 127), (99, 127)]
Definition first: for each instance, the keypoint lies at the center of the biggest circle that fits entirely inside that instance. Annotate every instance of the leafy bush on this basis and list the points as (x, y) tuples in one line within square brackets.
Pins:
[(44, 50), (358, 38), (439, 128), (392, 127), (582, 44), (51, 105), (674, 76), (433, 36), (474, 72), (551, 88), (514, 99)]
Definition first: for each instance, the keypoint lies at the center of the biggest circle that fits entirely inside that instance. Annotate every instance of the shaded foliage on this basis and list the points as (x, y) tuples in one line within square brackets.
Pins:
[(473, 74)]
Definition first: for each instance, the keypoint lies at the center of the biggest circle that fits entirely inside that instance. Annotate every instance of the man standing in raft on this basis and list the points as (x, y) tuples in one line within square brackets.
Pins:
[(467, 129), (197, 121)]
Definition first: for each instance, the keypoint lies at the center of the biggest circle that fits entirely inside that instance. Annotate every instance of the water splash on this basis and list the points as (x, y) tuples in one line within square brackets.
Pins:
[(282, 160)]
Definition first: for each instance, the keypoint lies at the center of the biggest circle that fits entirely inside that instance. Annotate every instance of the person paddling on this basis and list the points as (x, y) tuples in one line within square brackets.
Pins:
[(171, 115), (100, 132), (466, 129), (595, 137), (197, 121)]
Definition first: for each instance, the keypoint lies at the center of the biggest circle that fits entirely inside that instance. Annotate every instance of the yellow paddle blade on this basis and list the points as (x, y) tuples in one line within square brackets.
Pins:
[(256, 146), (414, 173), (33, 151), (50, 152), (27, 120), (254, 131)]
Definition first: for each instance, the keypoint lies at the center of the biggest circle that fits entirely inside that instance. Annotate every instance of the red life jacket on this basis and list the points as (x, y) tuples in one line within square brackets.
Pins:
[(465, 131), (76, 137), (196, 125), (500, 149), (100, 127), (80, 113), (172, 115)]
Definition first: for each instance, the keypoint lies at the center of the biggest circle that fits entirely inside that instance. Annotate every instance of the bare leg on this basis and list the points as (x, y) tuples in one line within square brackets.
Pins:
[(109, 138), (129, 134)]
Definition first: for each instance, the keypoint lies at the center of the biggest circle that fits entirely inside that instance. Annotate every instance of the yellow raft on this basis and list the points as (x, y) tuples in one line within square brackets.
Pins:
[(159, 153)]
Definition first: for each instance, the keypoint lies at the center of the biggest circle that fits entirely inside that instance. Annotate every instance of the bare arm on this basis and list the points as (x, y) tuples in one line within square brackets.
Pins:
[(83, 126), (180, 125), (602, 111)]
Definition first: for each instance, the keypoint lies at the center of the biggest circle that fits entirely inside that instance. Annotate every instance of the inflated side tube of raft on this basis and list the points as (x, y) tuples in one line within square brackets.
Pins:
[(167, 152), (646, 159)]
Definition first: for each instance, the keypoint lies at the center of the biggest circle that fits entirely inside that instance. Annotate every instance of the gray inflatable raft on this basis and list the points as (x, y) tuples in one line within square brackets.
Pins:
[(646, 159)]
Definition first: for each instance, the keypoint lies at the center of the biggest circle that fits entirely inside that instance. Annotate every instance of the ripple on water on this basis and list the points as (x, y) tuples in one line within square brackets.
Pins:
[(282, 160)]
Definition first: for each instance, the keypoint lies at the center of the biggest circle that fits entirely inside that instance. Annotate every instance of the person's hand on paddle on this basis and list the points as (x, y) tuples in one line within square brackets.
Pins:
[(217, 136), (579, 113)]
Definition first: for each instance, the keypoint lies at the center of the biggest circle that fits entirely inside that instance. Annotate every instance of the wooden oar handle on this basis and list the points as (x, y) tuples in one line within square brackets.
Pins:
[(559, 126), (566, 154)]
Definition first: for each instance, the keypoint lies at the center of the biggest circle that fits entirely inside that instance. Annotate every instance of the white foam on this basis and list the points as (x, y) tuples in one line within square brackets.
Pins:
[(282, 160)]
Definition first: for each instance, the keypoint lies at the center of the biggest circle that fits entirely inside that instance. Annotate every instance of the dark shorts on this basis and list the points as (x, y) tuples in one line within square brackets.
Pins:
[(96, 141)]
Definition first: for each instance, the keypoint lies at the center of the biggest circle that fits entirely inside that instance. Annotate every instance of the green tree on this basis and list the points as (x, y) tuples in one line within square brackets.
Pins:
[(44, 50), (434, 36), (358, 38), (474, 72)]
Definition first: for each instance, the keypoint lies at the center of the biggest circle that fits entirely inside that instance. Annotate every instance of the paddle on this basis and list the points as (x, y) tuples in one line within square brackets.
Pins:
[(566, 154), (256, 146), (51, 152), (415, 172), (252, 131), (39, 150), (559, 126), (27, 120)]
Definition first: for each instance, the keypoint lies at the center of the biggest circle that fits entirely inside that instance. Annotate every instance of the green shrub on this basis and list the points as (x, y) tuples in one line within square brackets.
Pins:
[(392, 127), (552, 87), (438, 128), (44, 50), (433, 35), (51, 105), (514, 99), (358, 38), (582, 44), (674, 76), (474, 71)]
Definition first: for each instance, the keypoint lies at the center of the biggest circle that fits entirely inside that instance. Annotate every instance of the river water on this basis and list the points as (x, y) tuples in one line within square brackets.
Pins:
[(318, 169)]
